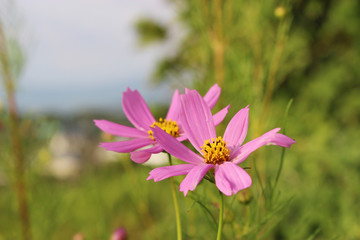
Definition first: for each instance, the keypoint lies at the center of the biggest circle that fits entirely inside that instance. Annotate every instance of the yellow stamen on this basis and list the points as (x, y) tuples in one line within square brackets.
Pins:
[(168, 126), (215, 151)]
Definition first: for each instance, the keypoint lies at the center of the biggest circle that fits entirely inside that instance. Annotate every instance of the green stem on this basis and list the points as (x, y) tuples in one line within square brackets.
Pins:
[(219, 233), (19, 161), (284, 132), (176, 205), (283, 149)]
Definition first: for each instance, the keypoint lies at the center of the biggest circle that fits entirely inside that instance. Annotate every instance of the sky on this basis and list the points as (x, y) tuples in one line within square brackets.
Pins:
[(82, 54)]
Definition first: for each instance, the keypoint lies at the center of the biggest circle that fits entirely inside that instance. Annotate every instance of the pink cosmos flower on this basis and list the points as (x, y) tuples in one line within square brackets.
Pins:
[(221, 154), (138, 113)]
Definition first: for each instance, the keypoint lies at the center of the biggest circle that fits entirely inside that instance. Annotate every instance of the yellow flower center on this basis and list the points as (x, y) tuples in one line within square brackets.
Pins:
[(168, 126), (215, 152)]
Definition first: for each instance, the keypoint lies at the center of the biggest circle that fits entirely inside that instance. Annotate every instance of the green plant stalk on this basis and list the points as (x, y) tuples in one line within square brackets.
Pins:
[(221, 216), (176, 205), (283, 149), (258, 177), (281, 39), (206, 211), (20, 185), (143, 209)]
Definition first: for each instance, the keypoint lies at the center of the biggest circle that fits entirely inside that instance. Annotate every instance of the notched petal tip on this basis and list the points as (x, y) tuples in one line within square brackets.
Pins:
[(220, 115), (185, 192), (193, 178), (212, 96), (230, 178), (120, 130), (282, 140), (236, 130), (152, 175), (149, 178), (99, 122)]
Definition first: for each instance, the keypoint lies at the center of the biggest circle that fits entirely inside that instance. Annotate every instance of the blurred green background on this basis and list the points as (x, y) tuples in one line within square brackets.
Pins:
[(262, 53)]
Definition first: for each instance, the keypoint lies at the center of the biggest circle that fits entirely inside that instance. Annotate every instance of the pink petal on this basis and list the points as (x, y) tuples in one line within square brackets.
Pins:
[(220, 115), (182, 138), (136, 110), (230, 178), (175, 148), (119, 130), (127, 146), (194, 177), (236, 130), (240, 154), (282, 140), (175, 107), (162, 173), (143, 155), (212, 96), (196, 120)]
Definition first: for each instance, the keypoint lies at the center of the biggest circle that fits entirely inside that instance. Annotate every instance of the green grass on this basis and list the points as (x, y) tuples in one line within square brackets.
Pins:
[(95, 203)]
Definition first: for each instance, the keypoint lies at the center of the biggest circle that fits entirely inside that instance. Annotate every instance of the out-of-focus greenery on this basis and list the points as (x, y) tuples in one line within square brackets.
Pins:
[(150, 31)]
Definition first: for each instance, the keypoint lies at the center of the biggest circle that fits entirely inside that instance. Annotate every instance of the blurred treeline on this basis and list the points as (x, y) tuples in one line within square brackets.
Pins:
[(264, 53)]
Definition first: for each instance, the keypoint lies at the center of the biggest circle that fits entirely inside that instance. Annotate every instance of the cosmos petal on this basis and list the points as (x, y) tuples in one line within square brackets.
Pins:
[(282, 140), (120, 130), (175, 148), (212, 96), (182, 138), (162, 173), (175, 107), (240, 154), (143, 155), (237, 128), (220, 115), (194, 177), (230, 178), (136, 110), (127, 146), (197, 120)]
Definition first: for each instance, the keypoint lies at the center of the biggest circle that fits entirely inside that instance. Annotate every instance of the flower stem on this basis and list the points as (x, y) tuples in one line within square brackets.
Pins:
[(176, 205), (283, 150), (219, 233), (19, 162)]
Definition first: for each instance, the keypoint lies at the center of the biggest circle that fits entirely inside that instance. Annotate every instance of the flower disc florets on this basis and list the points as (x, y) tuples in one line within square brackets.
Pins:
[(168, 126), (215, 152)]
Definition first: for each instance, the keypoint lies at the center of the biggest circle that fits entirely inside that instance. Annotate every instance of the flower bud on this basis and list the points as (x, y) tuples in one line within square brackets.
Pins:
[(78, 236), (229, 216), (107, 137), (279, 12), (245, 196), (119, 234)]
